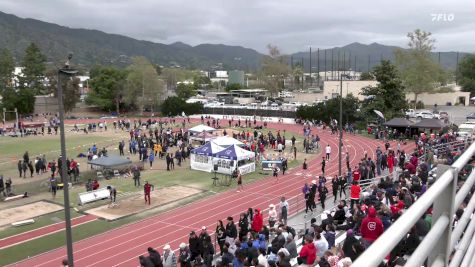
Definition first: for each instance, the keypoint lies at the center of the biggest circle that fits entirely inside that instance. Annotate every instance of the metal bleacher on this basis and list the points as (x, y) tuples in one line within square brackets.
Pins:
[(444, 245)]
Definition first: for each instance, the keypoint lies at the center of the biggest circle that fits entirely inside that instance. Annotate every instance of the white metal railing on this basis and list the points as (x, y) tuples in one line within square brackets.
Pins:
[(440, 242)]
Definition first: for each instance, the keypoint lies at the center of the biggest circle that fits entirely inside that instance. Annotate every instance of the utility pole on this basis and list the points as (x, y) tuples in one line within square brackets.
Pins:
[(67, 216), (318, 67), (310, 66), (457, 69), (341, 126), (325, 63)]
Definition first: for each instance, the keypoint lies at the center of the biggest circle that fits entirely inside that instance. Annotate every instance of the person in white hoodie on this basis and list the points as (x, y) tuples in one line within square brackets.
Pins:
[(272, 215), (169, 257), (261, 259), (321, 244)]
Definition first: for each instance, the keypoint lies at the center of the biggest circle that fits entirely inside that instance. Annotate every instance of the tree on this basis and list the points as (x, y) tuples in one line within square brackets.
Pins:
[(22, 100), (419, 73), (71, 93), (199, 81), (107, 88), (7, 66), (274, 70), (233, 86), (330, 110), (298, 75), (174, 106), (366, 76), (33, 68), (388, 96), (466, 74), (185, 91), (143, 85)]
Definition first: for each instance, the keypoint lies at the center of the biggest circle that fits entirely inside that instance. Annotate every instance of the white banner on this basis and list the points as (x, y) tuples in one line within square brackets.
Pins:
[(87, 197), (248, 168), (201, 163)]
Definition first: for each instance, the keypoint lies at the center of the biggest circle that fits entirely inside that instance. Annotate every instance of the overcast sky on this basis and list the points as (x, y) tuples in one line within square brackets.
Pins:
[(293, 25)]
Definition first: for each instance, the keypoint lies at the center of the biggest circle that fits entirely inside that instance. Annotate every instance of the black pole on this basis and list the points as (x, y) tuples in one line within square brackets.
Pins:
[(344, 62), (325, 62), (355, 63), (439, 58), (67, 215), (457, 69), (303, 74), (333, 75), (310, 66), (369, 60), (341, 125), (318, 67), (338, 63), (349, 63)]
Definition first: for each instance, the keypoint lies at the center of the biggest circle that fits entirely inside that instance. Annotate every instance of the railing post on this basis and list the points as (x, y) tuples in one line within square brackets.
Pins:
[(444, 205)]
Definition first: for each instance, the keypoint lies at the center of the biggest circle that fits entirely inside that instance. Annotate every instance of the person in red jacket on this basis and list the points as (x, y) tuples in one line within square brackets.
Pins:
[(308, 253), (391, 162), (355, 191), (147, 188), (356, 174), (257, 221), (371, 227)]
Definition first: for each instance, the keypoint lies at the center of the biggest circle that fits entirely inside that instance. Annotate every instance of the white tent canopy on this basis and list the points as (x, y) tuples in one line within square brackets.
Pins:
[(226, 141), (201, 128), (234, 152)]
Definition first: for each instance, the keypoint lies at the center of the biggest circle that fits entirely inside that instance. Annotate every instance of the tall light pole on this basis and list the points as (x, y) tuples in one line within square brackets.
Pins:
[(340, 139), (67, 215)]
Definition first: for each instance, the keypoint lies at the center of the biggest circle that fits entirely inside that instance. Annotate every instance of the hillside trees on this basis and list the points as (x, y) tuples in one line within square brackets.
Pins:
[(388, 96), (274, 70), (143, 87), (107, 88), (419, 72), (466, 74)]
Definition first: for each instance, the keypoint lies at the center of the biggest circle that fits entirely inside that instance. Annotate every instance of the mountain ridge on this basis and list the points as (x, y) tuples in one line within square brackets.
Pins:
[(92, 46)]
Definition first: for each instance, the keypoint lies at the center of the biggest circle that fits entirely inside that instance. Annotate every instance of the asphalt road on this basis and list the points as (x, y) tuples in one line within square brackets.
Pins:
[(457, 114)]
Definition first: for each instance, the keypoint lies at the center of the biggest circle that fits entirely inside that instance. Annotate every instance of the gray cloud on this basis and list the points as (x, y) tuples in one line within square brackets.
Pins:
[(293, 25)]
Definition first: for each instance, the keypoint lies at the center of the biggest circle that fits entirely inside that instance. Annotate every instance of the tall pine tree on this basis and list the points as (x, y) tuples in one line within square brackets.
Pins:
[(34, 69)]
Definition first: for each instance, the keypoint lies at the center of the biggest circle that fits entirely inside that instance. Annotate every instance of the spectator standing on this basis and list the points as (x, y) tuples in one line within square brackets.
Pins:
[(284, 210), (371, 227), (147, 188), (169, 257), (328, 151), (355, 191)]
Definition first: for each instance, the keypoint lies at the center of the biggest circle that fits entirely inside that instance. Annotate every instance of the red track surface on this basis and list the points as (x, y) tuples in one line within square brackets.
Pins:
[(47, 230), (123, 246)]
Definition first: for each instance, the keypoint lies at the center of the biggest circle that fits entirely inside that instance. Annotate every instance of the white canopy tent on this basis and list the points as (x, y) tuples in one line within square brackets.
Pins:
[(226, 141), (201, 158), (201, 128), (234, 157)]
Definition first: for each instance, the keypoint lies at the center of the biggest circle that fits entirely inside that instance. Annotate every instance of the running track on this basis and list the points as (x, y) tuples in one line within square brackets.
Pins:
[(123, 246)]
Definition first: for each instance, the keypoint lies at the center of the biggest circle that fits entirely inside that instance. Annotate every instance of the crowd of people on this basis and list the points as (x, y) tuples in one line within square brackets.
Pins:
[(401, 179)]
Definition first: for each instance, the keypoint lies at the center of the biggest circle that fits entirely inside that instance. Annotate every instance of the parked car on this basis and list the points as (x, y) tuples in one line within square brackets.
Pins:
[(425, 114), (471, 116), (411, 113), (465, 130)]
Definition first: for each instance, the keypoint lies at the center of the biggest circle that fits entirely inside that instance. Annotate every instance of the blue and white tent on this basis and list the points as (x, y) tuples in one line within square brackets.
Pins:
[(201, 158), (234, 152), (208, 149)]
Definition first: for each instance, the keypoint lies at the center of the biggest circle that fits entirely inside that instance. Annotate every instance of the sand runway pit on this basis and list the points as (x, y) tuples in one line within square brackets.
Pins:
[(28, 211), (136, 203)]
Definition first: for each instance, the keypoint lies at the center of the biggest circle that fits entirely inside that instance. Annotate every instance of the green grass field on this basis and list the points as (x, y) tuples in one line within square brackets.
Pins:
[(160, 178)]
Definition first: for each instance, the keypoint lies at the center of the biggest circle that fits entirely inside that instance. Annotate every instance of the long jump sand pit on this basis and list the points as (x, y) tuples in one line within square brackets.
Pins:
[(28, 211), (135, 204)]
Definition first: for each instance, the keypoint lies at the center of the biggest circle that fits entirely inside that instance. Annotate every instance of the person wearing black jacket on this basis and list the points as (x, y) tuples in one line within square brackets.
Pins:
[(220, 235), (231, 230), (335, 186), (342, 184), (243, 226), (323, 195), (195, 245), (155, 257), (145, 261), (348, 245)]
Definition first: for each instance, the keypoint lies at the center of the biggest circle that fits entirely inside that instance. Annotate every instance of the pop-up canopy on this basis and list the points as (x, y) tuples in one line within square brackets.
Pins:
[(225, 141), (201, 128), (208, 149), (234, 152)]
